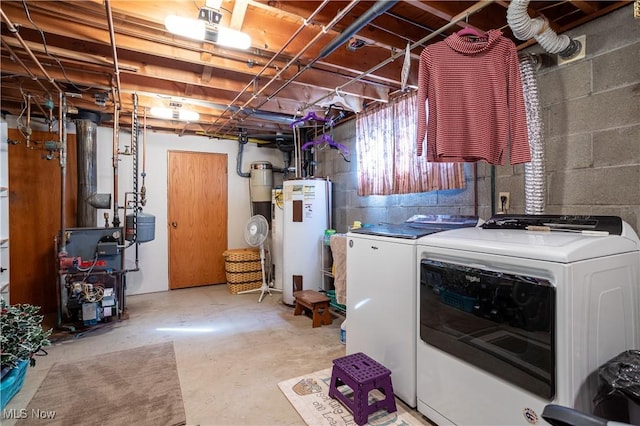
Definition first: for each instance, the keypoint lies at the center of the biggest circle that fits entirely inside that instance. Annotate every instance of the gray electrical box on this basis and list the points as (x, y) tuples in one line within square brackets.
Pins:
[(107, 249)]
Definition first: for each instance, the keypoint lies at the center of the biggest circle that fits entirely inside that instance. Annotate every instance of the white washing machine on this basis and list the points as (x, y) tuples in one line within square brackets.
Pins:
[(381, 294), (510, 320)]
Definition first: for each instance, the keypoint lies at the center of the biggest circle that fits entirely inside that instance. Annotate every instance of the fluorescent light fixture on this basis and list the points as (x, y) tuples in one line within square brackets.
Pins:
[(174, 114), (200, 30), (185, 27)]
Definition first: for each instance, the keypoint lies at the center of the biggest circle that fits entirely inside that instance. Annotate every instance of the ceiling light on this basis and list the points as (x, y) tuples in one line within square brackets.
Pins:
[(204, 31), (174, 114)]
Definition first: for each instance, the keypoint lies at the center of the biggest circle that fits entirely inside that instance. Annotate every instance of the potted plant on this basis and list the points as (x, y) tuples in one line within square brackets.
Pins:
[(21, 338)]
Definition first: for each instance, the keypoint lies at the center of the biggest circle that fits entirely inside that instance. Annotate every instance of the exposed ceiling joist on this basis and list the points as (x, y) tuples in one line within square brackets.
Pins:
[(67, 45)]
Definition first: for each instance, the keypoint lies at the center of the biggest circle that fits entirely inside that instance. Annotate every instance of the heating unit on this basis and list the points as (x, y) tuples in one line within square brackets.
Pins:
[(512, 319)]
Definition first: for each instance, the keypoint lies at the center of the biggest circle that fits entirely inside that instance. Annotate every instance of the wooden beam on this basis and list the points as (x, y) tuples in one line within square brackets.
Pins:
[(239, 11), (585, 6)]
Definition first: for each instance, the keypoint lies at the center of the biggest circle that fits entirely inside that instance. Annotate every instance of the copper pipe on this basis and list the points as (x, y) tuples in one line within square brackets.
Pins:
[(31, 74), (292, 61), (14, 30), (112, 36)]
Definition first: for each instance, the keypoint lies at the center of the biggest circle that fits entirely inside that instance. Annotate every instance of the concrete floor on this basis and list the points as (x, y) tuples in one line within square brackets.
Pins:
[(231, 352)]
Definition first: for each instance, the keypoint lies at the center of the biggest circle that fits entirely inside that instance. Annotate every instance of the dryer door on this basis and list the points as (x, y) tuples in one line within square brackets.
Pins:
[(501, 323)]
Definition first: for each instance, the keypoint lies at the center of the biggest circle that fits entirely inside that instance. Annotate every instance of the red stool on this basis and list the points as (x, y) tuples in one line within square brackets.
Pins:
[(362, 374)]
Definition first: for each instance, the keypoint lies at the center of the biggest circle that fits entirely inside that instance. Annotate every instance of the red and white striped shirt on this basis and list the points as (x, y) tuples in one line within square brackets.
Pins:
[(470, 101)]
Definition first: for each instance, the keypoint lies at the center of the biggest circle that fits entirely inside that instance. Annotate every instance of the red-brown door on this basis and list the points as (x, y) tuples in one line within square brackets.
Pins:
[(197, 218)]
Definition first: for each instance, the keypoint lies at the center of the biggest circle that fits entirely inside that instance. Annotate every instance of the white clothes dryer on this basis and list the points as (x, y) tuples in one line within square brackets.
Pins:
[(510, 320)]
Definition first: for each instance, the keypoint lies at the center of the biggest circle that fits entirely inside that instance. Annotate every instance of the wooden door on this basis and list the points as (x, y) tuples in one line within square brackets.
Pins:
[(34, 216), (197, 218)]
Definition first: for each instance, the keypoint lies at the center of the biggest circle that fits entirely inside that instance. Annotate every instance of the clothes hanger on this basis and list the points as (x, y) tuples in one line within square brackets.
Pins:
[(309, 117), (470, 31), (340, 99), (326, 139)]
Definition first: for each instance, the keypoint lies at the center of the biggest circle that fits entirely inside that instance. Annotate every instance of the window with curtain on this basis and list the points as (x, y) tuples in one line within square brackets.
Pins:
[(387, 160)]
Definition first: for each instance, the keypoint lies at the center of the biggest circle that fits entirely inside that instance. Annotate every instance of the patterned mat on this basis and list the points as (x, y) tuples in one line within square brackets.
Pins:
[(309, 394)]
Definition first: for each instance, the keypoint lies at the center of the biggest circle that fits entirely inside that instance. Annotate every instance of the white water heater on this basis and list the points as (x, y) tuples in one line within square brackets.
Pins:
[(307, 213)]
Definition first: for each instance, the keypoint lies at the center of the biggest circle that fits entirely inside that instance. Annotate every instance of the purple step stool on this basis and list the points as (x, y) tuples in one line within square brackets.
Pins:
[(362, 374)]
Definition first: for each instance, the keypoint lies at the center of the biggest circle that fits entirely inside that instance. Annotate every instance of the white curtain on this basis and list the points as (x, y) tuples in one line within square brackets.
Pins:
[(387, 160)]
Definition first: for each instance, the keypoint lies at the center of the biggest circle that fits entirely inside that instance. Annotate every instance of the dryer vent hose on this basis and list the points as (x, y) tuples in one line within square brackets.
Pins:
[(534, 171), (524, 28)]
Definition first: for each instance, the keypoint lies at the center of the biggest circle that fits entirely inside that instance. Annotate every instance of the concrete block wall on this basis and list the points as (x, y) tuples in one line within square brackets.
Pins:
[(348, 206), (591, 115)]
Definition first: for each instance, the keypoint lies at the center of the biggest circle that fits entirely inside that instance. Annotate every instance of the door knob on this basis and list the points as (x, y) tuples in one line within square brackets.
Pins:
[(2, 269), (174, 224)]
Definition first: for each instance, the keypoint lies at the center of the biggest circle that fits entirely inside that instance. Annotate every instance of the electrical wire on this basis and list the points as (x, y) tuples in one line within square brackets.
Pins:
[(46, 50), (93, 293)]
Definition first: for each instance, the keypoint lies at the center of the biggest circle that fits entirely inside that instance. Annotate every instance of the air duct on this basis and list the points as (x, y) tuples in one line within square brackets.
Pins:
[(525, 28)]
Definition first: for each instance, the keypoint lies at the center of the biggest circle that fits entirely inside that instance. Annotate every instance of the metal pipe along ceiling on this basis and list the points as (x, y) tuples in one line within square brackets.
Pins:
[(459, 17), (12, 28), (273, 58), (31, 74), (112, 36), (291, 62), (376, 10)]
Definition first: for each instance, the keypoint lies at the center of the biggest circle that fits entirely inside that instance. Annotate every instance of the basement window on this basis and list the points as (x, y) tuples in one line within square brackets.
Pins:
[(387, 160)]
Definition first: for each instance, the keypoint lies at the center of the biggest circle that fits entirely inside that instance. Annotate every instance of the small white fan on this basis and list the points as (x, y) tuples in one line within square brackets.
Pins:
[(255, 234)]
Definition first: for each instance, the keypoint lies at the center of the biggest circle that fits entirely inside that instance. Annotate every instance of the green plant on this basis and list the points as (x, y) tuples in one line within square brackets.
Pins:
[(21, 334)]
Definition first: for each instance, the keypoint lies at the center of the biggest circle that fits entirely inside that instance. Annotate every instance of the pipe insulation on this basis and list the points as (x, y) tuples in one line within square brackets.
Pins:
[(524, 28), (534, 171)]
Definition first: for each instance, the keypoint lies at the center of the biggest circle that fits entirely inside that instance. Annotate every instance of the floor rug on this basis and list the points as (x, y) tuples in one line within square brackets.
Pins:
[(309, 395), (138, 387)]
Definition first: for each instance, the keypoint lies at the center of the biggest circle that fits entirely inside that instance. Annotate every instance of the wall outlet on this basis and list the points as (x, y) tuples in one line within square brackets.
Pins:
[(504, 198)]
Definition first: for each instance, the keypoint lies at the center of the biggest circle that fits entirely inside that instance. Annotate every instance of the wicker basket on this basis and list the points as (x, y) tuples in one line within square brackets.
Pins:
[(237, 288), (243, 277), (243, 270), (242, 255)]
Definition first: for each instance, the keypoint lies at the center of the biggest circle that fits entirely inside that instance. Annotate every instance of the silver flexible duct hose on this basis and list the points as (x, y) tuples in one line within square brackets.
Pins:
[(525, 28), (534, 171)]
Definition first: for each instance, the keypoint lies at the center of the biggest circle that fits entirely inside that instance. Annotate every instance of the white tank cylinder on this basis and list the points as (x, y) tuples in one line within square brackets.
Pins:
[(261, 181)]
